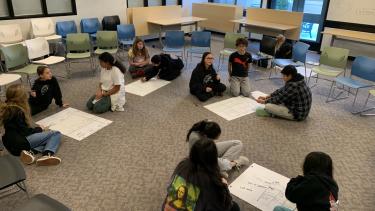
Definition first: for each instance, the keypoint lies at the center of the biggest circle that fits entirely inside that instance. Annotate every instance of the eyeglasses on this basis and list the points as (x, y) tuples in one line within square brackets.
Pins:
[(210, 58)]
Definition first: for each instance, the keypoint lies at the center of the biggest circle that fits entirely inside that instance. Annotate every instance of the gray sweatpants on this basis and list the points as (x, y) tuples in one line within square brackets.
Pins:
[(228, 151), (240, 85), (279, 110)]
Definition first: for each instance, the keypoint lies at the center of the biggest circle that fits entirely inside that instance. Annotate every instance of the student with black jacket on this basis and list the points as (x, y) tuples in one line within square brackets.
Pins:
[(45, 89), (204, 81), (283, 49), (196, 183), (20, 138), (292, 101), (164, 67), (316, 190)]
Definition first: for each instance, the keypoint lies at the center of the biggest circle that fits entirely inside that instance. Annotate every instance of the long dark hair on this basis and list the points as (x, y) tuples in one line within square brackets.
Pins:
[(203, 166), (205, 128), (318, 163), (143, 51), (108, 58), (205, 54)]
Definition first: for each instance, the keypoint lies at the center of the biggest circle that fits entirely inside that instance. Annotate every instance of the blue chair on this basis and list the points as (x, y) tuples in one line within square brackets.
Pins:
[(65, 27), (174, 42), (90, 26), (298, 57), (200, 43), (126, 34), (363, 68)]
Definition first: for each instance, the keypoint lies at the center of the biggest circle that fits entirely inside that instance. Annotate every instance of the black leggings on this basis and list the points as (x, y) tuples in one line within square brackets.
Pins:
[(35, 108), (217, 88)]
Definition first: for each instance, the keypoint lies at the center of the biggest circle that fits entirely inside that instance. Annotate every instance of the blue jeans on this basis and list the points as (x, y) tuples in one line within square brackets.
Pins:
[(280, 208), (47, 140)]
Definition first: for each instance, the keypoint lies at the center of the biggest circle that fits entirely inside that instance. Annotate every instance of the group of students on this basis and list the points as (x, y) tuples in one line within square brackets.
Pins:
[(292, 101), (198, 182)]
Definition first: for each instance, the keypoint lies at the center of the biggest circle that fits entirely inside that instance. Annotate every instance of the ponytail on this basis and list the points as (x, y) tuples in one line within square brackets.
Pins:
[(120, 66)]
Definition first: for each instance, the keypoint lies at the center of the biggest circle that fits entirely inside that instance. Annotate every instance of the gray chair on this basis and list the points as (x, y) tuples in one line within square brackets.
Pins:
[(42, 202), (12, 173)]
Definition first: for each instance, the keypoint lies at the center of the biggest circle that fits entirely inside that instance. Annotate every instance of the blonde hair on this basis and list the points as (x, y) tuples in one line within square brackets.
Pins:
[(16, 100), (137, 51), (280, 39)]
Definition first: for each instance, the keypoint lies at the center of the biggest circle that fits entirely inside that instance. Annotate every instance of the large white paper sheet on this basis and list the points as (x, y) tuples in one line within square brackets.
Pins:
[(301, 70), (74, 123), (262, 188), (234, 107), (257, 94), (144, 88)]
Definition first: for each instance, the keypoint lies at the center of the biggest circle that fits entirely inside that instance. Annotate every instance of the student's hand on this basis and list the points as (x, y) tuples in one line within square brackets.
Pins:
[(33, 93), (65, 105), (44, 128), (143, 79), (158, 77), (262, 98), (224, 181), (98, 95), (208, 89), (261, 101), (218, 77)]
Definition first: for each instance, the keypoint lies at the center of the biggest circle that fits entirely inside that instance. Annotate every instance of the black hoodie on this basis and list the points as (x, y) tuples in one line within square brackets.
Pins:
[(45, 92), (312, 192), (202, 78), (168, 70), (295, 95)]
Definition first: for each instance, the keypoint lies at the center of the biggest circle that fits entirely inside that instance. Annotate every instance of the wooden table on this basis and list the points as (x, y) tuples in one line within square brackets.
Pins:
[(349, 35), (283, 28), (180, 21)]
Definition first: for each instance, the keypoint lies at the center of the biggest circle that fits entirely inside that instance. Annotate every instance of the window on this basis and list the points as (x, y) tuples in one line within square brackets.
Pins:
[(14, 9), (25, 8), (249, 3), (4, 8), (59, 6), (146, 3), (224, 1)]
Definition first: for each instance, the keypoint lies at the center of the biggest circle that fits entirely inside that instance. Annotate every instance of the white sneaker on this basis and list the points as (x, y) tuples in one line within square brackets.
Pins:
[(48, 160), (27, 157), (242, 161), (118, 108)]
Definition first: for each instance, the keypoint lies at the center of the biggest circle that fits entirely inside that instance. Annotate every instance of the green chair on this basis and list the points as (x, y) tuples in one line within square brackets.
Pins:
[(229, 45), (333, 62), (106, 41), (17, 60), (78, 47)]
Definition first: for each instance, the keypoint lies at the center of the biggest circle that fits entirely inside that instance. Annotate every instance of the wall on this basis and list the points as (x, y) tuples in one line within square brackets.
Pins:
[(85, 9)]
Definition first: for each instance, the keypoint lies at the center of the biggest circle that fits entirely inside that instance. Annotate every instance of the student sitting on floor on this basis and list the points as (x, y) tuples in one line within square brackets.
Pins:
[(293, 101), (196, 183), (20, 138), (110, 94), (204, 81), (316, 189), (45, 89), (164, 67), (283, 49), (238, 68), (139, 59), (228, 151)]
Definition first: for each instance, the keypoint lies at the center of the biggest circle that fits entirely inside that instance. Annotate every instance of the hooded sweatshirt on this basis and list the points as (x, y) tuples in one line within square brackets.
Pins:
[(45, 92), (295, 95), (312, 192), (202, 78), (168, 70)]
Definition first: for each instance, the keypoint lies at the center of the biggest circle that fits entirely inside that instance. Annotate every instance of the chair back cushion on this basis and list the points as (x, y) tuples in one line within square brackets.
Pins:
[(65, 27), (334, 57), (78, 42), (15, 55), (364, 67), (10, 33), (42, 27), (37, 47)]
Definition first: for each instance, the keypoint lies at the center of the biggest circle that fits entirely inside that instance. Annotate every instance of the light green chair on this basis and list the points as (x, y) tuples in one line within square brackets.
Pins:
[(17, 60), (333, 62), (106, 41), (78, 47), (229, 45)]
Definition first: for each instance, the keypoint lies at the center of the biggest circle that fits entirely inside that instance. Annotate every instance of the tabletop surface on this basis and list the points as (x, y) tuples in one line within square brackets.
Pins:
[(265, 24), (351, 34), (177, 20)]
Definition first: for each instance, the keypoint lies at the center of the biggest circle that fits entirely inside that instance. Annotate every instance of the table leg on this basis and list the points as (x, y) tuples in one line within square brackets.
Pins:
[(332, 40), (160, 38), (196, 26)]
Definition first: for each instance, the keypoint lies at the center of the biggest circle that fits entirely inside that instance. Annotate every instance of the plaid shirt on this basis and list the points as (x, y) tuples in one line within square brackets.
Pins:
[(296, 96)]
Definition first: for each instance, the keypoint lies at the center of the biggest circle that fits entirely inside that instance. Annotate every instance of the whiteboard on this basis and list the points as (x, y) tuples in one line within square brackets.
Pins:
[(358, 11), (262, 188), (74, 123)]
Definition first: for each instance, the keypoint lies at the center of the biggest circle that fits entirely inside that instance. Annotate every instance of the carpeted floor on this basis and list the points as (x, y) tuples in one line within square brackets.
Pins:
[(127, 165)]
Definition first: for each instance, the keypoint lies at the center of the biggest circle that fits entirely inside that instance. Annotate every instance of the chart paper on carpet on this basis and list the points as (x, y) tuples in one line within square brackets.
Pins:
[(144, 88), (257, 94), (74, 123), (234, 108), (262, 188)]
